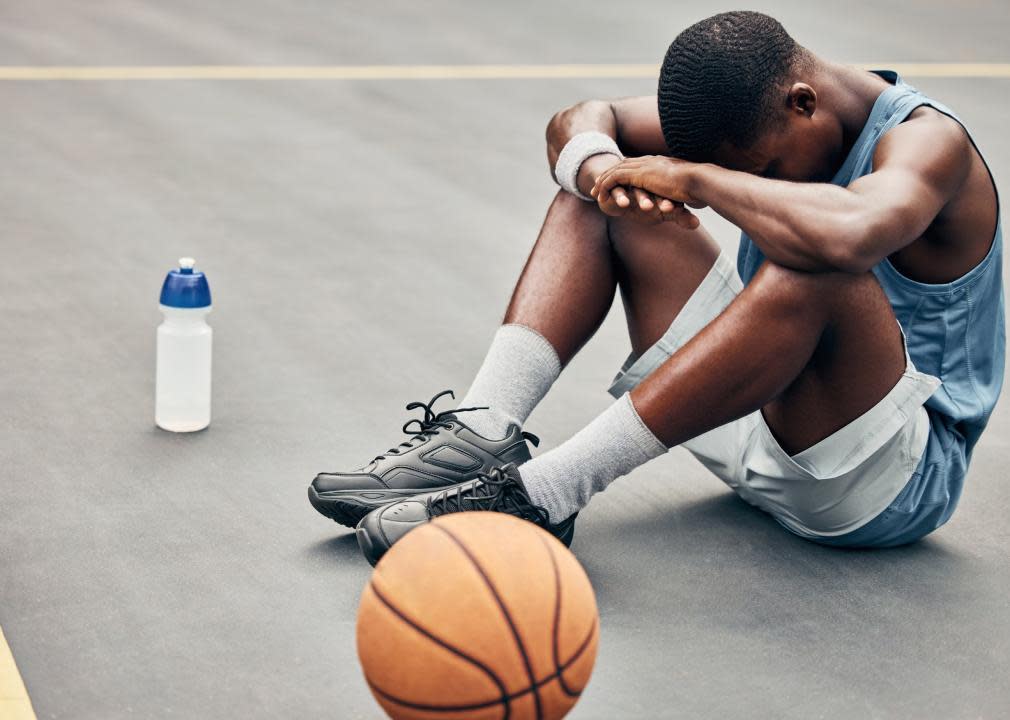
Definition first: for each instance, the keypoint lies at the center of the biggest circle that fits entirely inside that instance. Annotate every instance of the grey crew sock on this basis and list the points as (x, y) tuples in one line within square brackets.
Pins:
[(518, 370), (564, 479)]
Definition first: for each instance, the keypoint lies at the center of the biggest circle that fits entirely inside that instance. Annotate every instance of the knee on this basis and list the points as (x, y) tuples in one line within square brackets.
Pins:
[(772, 273), (564, 200), (825, 290), (631, 238), (576, 212), (623, 229)]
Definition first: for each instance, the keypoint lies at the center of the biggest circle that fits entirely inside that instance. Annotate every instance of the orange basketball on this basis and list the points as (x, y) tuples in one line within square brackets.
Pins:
[(478, 615)]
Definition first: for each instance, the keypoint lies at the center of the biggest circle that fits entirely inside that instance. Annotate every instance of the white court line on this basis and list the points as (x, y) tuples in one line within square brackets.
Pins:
[(427, 72)]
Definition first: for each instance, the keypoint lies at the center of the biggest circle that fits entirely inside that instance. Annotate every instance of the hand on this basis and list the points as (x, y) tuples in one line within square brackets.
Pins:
[(644, 207), (662, 180), (633, 203)]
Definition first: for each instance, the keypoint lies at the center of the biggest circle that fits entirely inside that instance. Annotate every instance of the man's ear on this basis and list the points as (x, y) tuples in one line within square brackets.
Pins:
[(802, 99)]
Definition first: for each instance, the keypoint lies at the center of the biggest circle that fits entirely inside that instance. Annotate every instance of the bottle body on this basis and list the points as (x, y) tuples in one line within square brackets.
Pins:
[(182, 385)]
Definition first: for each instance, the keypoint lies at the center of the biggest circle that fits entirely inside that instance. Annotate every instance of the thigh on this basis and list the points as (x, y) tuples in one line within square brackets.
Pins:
[(658, 269), (859, 358), (708, 298), (723, 449)]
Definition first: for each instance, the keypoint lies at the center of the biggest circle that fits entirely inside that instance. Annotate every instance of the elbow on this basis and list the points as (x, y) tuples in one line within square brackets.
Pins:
[(559, 127), (849, 260), (563, 118), (559, 119), (554, 134), (553, 123), (854, 242), (849, 250)]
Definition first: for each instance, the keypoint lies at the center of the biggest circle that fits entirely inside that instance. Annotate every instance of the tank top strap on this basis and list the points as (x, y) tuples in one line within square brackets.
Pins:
[(913, 99), (890, 108)]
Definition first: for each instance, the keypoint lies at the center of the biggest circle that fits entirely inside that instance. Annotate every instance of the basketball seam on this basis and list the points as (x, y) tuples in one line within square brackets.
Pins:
[(508, 617), (555, 630), (439, 641), (490, 703)]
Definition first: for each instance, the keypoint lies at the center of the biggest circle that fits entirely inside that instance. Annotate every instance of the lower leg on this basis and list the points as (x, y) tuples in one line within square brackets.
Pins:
[(567, 285), (565, 292), (559, 301)]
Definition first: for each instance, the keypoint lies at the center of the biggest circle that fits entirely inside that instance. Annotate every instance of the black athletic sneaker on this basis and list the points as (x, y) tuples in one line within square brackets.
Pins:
[(442, 451), (501, 489)]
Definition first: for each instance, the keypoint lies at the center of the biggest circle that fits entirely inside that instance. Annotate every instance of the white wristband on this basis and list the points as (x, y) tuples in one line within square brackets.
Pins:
[(575, 152)]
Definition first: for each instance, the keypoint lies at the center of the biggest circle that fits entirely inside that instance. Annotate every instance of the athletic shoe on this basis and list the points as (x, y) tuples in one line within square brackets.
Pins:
[(442, 451), (501, 489)]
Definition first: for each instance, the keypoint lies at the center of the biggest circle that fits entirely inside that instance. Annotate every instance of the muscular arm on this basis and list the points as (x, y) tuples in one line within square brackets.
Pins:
[(919, 166), (633, 122)]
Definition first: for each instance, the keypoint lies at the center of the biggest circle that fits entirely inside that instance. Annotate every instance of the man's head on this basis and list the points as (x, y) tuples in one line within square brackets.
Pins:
[(731, 92)]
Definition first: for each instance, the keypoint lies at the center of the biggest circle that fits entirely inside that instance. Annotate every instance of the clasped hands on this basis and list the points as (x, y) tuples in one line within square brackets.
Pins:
[(649, 189)]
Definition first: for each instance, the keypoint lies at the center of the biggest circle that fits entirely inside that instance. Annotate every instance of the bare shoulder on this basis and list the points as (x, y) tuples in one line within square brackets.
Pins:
[(933, 153), (930, 144)]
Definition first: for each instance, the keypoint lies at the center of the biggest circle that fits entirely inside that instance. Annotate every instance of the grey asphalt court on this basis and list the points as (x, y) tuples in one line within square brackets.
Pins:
[(361, 239)]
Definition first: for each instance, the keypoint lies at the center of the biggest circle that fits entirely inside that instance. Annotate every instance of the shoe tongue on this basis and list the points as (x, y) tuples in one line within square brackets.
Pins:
[(454, 418), (511, 472), (472, 495)]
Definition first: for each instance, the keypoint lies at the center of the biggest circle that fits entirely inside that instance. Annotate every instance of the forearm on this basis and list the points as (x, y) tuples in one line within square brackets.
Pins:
[(811, 227), (589, 116)]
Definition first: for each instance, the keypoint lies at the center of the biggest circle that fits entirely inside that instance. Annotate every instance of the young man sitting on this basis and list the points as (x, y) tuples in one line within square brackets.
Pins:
[(838, 377)]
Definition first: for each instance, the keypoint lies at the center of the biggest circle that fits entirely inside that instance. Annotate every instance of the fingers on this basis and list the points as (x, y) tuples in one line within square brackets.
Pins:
[(632, 203), (621, 173), (643, 199), (619, 190), (643, 206), (610, 206), (609, 179)]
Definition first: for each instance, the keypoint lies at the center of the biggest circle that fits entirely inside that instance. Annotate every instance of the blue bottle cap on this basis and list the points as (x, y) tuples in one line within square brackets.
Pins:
[(185, 288)]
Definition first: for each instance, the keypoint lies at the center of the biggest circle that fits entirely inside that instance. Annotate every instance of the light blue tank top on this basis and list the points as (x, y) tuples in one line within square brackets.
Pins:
[(955, 331)]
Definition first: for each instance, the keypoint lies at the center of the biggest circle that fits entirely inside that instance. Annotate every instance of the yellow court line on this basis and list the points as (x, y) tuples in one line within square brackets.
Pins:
[(327, 72), (426, 72), (14, 701)]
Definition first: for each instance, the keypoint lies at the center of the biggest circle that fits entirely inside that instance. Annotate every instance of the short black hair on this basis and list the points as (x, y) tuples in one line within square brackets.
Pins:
[(717, 82)]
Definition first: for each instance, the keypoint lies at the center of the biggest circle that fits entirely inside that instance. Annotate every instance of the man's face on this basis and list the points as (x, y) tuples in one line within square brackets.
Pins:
[(802, 146)]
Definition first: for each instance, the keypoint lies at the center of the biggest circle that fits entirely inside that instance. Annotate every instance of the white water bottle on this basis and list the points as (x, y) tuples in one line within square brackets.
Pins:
[(182, 392)]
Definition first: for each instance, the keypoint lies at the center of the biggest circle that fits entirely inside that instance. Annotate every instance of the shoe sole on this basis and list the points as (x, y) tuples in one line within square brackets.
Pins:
[(347, 507), (373, 554)]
